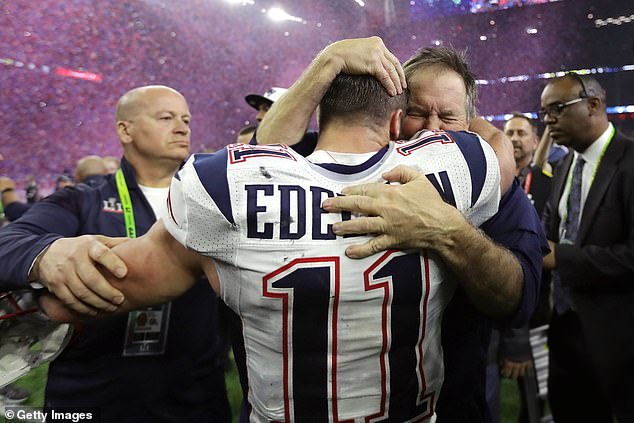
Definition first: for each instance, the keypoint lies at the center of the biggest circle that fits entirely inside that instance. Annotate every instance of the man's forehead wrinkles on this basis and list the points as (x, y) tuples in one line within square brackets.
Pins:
[(417, 108)]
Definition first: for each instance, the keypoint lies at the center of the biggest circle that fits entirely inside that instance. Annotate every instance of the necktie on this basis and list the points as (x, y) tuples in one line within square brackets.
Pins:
[(561, 294), (574, 202)]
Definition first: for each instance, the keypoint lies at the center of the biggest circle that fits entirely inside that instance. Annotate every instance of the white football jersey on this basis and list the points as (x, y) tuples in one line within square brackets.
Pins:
[(328, 338)]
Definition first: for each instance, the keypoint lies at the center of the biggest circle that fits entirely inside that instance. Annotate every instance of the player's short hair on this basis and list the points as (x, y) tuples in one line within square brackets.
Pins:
[(530, 121), (449, 59), (361, 98)]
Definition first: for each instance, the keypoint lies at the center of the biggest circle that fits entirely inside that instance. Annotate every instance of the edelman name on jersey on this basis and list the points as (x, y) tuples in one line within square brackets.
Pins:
[(328, 338)]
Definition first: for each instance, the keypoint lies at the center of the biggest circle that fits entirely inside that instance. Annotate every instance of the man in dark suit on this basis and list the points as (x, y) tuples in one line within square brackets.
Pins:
[(589, 219)]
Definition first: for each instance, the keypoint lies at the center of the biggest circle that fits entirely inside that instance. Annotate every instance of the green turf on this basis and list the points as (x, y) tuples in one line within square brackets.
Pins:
[(34, 383), (234, 391), (36, 380), (509, 401)]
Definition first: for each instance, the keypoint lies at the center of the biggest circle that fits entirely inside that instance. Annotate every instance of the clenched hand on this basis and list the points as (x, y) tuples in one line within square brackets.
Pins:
[(68, 269), (406, 216)]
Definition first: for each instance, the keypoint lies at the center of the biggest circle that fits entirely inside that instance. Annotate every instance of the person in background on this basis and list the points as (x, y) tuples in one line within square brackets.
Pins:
[(112, 164), (548, 154), (589, 219), (12, 206), (262, 103), (306, 145), (32, 190), (535, 181), (90, 170), (165, 368), (509, 349), (63, 181), (245, 134)]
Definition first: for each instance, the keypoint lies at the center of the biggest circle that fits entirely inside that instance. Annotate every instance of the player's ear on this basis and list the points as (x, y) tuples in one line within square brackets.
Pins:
[(396, 118), (594, 105)]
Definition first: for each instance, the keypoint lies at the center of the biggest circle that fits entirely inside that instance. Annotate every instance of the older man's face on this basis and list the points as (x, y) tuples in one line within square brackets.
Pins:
[(437, 101), (160, 129)]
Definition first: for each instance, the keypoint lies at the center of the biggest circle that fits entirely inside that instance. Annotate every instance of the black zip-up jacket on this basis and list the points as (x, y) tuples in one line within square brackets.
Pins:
[(184, 384)]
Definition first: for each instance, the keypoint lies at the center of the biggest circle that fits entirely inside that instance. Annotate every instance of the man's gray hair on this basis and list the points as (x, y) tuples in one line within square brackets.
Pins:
[(451, 59)]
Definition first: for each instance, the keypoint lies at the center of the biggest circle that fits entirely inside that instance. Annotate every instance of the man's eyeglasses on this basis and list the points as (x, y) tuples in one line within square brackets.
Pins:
[(554, 110)]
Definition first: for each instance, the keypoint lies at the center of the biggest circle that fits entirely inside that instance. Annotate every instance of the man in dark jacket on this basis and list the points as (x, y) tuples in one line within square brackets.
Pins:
[(589, 220), (159, 364)]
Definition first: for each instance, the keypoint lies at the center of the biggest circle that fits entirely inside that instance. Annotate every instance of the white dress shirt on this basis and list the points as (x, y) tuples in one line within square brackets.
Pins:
[(592, 156)]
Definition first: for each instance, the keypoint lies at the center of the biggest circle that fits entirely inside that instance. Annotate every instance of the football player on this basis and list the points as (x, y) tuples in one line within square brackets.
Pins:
[(328, 338)]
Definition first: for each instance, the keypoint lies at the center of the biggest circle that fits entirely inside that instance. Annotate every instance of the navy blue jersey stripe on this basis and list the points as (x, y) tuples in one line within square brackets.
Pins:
[(351, 170), (476, 160), (212, 172)]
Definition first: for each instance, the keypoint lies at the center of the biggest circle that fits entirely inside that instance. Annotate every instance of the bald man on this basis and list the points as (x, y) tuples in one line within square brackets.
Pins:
[(89, 170), (88, 167), (165, 368)]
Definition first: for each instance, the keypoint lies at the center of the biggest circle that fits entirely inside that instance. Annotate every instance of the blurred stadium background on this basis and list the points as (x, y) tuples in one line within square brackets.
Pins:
[(63, 65)]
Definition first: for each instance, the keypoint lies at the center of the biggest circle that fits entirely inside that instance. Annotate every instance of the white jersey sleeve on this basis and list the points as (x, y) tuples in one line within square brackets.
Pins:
[(485, 203), (198, 220)]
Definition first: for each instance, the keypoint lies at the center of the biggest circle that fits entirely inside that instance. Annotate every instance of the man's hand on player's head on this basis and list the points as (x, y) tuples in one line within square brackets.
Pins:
[(367, 56), (407, 216), (68, 269)]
